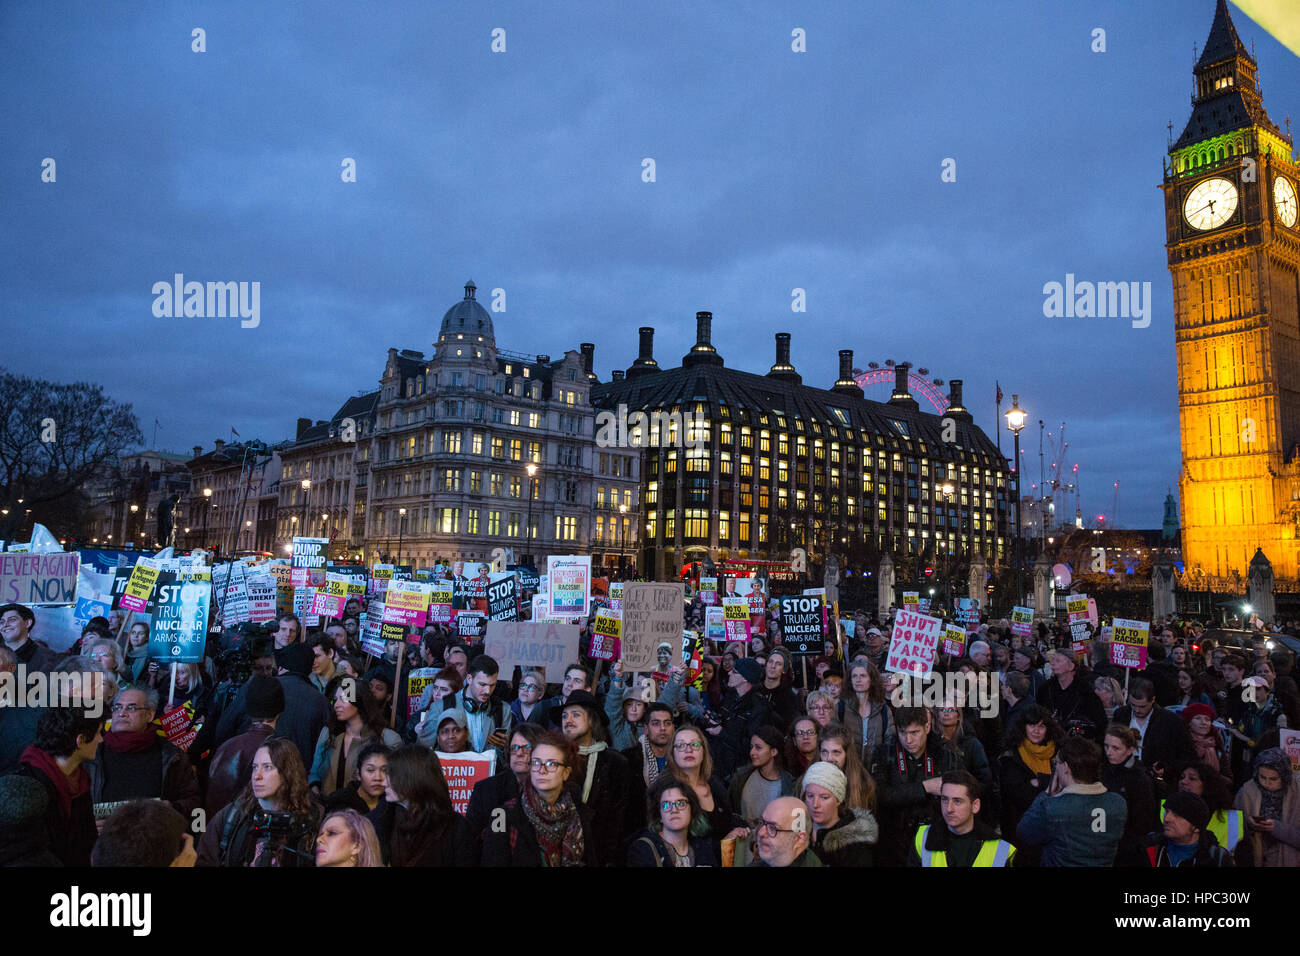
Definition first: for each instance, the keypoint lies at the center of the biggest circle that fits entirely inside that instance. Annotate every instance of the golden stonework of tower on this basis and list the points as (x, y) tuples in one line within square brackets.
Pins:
[(1231, 189)]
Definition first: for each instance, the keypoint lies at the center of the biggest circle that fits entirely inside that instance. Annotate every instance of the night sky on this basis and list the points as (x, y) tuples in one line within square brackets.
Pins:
[(522, 170)]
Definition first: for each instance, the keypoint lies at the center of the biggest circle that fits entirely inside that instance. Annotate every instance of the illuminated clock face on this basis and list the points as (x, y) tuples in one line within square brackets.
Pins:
[(1210, 204), (1284, 201)]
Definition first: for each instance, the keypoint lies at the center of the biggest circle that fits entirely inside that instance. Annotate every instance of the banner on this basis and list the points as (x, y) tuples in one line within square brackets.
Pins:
[(913, 644), (708, 590), (39, 578), (802, 624), (308, 562), (570, 585), (463, 771), (372, 641), (528, 577), (303, 598), (89, 607), (229, 585), (260, 584), (616, 596), (546, 644), (541, 607), (735, 618), (139, 588), (911, 601), (1128, 647), (355, 576), (178, 630), (603, 648), (503, 597), (1077, 613), (1022, 621), (652, 615), (381, 575), (954, 641)]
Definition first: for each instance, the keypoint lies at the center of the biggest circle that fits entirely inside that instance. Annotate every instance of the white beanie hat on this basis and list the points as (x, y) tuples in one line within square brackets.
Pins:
[(827, 775)]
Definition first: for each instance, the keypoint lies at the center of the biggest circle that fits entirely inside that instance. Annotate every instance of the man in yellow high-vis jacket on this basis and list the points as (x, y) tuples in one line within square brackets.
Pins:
[(963, 841)]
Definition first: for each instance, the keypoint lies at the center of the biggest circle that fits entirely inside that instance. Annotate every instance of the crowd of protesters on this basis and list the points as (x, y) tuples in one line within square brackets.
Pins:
[(306, 754)]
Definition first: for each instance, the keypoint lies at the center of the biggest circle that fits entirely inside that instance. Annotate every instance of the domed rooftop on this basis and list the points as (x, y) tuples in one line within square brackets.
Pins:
[(467, 317)]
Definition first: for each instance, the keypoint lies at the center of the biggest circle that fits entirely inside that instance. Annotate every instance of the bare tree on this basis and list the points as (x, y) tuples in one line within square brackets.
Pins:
[(53, 439)]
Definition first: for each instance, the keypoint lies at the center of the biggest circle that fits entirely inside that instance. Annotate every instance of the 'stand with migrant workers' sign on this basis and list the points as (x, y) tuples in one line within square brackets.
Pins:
[(39, 578), (652, 615), (531, 644)]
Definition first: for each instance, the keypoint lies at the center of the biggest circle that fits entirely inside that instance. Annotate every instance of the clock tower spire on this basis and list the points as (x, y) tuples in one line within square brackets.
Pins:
[(1234, 256)]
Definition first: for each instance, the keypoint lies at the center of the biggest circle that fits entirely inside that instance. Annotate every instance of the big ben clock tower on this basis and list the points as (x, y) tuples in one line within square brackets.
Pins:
[(1230, 189)]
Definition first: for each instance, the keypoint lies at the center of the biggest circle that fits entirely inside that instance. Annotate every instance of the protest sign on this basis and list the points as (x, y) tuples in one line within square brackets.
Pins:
[(470, 624), (1092, 612), (923, 605), (802, 620), (260, 585), (715, 627), (1128, 646), (1290, 744), (608, 623), (1076, 607), (303, 598), (954, 641), (735, 618), (381, 575), (178, 724), (416, 681), (355, 576), (440, 604), (139, 588), (528, 577), (372, 641), (308, 561), (546, 644), (88, 607), (503, 597), (541, 607), (913, 644), (178, 630), (968, 614), (1022, 620), (230, 587), (911, 600), (652, 614), (603, 648), (570, 585), (406, 603), (49, 578), (463, 771), (708, 590), (330, 601)]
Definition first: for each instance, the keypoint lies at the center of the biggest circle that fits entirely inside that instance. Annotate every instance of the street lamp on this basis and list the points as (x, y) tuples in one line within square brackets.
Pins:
[(528, 531), (622, 510), (401, 527), (207, 493), (1015, 421), (306, 496)]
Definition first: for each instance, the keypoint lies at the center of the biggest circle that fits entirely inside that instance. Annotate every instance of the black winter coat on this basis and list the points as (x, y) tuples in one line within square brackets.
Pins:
[(1076, 702), (741, 716), (851, 842), (518, 846), (1135, 785)]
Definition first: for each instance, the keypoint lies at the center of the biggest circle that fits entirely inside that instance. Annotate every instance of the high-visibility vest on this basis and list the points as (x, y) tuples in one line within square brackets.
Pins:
[(1228, 826), (992, 853)]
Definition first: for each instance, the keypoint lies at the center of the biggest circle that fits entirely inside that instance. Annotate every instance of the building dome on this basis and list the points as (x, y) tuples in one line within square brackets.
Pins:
[(467, 318)]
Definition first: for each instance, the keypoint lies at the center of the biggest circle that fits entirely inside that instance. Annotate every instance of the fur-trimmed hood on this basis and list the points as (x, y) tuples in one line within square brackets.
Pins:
[(862, 828)]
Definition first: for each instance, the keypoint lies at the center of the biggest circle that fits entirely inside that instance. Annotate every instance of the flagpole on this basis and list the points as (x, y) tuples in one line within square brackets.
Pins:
[(997, 417)]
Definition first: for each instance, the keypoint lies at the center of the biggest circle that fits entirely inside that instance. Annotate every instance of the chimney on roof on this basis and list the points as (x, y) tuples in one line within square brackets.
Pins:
[(901, 395), (198, 450), (543, 359), (703, 352), (588, 350), (782, 368), (303, 425), (617, 375), (955, 407), (220, 445), (845, 383), (645, 361)]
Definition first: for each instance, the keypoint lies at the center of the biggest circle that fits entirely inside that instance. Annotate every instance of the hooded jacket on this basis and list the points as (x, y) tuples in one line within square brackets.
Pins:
[(1283, 847), (851, 842)]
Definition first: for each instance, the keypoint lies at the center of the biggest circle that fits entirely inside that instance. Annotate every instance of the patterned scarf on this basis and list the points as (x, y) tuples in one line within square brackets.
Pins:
[(558, 826), (650, 763)]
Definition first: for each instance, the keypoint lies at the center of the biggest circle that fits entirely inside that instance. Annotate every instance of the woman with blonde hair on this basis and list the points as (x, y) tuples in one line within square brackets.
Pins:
[(347, 838), (690, 762), (836, 746)]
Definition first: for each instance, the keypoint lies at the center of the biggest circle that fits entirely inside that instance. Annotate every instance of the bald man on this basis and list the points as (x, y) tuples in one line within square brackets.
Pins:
[(784, 835)]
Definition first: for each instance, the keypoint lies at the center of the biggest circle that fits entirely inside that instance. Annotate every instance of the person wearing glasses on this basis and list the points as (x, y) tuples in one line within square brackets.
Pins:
[(691, 763), (677, 834), (785, 835), (801, 746), (529, 707), (490, 794), (546, 825), (135, 762), (821, 708)]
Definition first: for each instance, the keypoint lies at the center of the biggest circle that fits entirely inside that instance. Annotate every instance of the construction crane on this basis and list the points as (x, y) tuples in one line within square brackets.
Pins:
[(1067, 487)]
